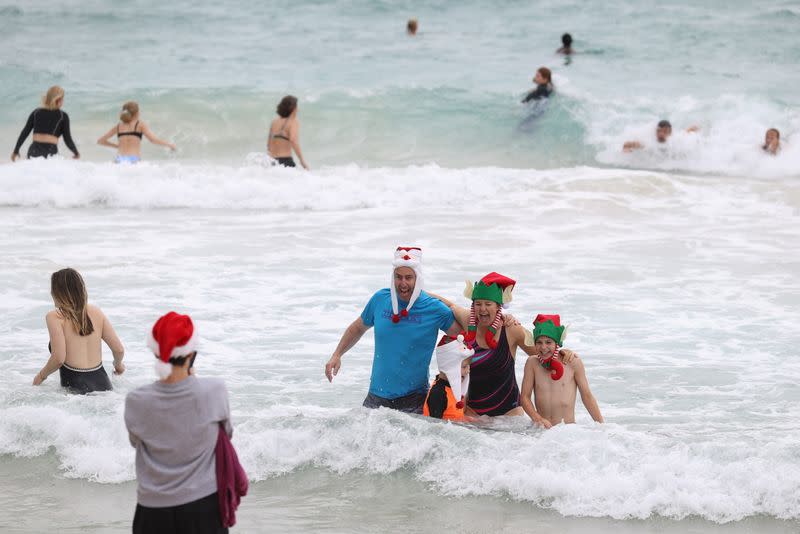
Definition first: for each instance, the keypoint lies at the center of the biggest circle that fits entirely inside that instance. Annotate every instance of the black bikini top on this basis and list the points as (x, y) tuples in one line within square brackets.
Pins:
[(132, 132)]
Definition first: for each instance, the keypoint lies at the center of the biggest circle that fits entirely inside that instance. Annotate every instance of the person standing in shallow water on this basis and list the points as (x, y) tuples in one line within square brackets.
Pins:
[(284, 134), (174, 425), (544, 85), (566, 45), (75, 329), (129, 134), (48, 123), (407, 322)]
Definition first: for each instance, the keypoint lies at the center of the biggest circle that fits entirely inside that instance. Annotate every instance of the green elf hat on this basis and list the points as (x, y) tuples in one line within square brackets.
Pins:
[(549, 326), (493, 287)]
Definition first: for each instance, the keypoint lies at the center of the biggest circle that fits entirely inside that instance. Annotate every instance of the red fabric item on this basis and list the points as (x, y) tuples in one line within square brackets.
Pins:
[(542, 318), (232, 481), (170, 331), (499, 279)]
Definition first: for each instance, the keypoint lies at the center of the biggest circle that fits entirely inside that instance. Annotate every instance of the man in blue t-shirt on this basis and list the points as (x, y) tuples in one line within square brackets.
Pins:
[(407, 322)]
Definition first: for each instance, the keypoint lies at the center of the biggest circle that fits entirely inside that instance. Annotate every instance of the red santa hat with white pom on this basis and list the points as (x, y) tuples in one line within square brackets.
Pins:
[(410, 257), (173, 336)]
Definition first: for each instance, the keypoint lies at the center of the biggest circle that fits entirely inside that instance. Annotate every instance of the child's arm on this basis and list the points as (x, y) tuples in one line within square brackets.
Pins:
[(587, 398), (527, 392)]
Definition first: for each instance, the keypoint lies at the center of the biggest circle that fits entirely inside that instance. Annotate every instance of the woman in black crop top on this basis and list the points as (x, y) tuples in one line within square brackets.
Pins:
[(129, 134), (48, 123)]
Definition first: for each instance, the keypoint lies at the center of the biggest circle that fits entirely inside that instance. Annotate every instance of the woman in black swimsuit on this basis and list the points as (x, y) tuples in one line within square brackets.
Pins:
[(76, 329), (493, 388), (284, 134), (48, 123)]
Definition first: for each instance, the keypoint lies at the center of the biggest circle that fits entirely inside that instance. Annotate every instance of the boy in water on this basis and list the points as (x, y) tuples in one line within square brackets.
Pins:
[(445, 399), (552, 382)]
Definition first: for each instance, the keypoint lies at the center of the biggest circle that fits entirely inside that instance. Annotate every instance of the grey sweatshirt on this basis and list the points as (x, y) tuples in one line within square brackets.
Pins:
[(174, 429)]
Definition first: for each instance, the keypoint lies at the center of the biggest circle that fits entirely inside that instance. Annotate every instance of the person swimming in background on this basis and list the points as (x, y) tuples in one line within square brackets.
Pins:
[(772, 141), (129, 134), (48, 123), (284, 134), (566, 45), (544, 86), (76, 328), (663, 133), (411, 26)]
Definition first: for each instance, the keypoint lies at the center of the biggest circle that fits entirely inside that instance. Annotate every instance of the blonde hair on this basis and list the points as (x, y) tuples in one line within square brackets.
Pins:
[(70, 297), (129, 111), (53, 95)]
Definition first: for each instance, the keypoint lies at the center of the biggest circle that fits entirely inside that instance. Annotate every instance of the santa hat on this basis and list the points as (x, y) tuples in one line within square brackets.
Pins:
[(496, 288), (450, 353), (173, 336), (410, 257)]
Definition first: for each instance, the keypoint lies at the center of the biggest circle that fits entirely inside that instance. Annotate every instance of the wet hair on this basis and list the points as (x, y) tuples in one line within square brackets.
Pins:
[(287, 105), (181, 360), (566, 40), (129, 110), (546, 74), (53, 95), (411, 26), (70, 297), (664, 124)]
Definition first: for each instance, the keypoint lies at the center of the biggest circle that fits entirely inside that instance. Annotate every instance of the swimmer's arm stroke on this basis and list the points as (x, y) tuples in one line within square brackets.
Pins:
[(587, 398), (148, 133), (104, 141), (349, 339), (58, 346), (294, 136), (526, 395), (109, 335)]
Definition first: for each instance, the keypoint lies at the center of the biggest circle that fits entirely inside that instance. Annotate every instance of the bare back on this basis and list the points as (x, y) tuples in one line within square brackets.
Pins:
[(83, 352), (555, 399), (279, 144), (129, 143)]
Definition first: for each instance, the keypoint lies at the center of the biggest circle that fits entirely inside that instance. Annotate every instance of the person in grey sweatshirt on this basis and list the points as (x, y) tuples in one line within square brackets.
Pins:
[(173, 424)]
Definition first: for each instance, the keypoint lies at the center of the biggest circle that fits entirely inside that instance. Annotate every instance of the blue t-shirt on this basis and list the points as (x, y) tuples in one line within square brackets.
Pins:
[(403, 350)]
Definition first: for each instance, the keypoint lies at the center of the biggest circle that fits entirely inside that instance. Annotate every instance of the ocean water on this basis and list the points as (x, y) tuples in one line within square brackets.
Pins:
[(676, 268)]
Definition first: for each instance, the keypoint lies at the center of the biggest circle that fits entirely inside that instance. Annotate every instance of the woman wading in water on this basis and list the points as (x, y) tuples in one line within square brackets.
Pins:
[(76, 328)]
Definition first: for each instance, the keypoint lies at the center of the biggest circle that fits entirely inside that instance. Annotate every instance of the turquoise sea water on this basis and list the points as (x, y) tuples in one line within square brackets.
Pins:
[(676, 267)]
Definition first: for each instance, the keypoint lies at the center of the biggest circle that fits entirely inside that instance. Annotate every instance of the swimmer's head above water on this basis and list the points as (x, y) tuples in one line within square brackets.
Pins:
[(411, 26), (543, 76), (663, 131), (772, 141)]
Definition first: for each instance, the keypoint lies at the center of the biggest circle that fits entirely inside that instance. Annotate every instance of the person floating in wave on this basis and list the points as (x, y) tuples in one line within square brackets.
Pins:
[(411, 27), (566, 45), (76, 329), (551, 380), (129, 134), (772, 142), (663, 133), (446, 397), (544, 86), (48, 123), (284, 134)]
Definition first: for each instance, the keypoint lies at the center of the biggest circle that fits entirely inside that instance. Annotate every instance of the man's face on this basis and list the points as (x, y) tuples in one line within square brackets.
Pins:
[(663, 133), (404, 281), (545, 346)]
